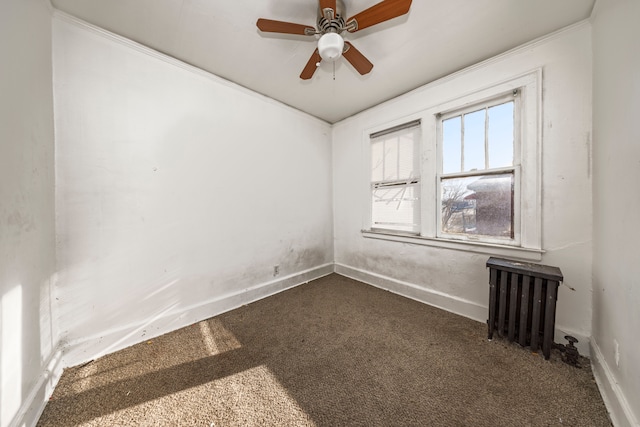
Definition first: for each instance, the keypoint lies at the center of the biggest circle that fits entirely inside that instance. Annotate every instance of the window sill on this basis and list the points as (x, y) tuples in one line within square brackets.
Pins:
[(475, 247)]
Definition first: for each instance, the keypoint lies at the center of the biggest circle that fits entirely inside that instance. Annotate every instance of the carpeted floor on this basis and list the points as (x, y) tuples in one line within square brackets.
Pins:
[(333, 352)]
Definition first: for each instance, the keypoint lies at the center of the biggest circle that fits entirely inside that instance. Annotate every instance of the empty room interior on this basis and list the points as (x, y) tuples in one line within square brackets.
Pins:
[(164, 164)]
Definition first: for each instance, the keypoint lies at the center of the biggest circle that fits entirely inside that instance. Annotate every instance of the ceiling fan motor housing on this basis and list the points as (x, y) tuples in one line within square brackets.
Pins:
[(329, 23), (336, 25)]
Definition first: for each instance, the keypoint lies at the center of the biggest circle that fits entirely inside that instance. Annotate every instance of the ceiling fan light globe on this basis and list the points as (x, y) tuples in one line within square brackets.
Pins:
[(330, 46)]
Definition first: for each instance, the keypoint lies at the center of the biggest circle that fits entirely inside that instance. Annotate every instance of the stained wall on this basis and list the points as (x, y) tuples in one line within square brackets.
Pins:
[(177, 192)]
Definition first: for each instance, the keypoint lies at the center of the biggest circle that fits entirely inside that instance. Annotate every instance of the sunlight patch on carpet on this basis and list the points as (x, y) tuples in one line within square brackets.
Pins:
[(216, 338)]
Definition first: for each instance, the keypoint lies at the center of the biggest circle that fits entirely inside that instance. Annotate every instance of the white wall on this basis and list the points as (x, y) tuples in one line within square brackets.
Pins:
[(616, 267), (177, 192), (457, 280), (28, 342)]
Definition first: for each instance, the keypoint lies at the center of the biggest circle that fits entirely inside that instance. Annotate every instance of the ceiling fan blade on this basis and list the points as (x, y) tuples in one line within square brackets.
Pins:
[(357, 59), (328, 4), (383, 11), (271, 26), (311, 66)]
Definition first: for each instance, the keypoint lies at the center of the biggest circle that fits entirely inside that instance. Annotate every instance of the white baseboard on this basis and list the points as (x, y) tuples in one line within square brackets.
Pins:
[(38, 396), (438, 299), (619, 408), (90, 348)]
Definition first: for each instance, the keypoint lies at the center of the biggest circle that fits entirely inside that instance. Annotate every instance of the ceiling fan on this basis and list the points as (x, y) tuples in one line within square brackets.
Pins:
[(330, 26)]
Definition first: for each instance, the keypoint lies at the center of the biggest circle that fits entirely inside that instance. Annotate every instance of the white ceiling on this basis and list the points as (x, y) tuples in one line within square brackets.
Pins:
[(436, 38)]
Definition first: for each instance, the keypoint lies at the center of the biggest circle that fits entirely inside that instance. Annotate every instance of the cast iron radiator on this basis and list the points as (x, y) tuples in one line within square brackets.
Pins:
[(522, 302)]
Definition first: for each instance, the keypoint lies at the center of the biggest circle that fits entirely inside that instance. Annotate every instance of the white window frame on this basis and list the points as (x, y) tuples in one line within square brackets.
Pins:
[(527, 164)]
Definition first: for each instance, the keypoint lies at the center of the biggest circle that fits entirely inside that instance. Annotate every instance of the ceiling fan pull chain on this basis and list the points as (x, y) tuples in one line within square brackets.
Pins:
[(334, 71)]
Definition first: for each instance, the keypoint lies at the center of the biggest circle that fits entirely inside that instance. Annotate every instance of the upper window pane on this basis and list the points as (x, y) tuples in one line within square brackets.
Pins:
[(474, 140), (479, 140), (501, 134), (390, 159), (394, 157), (406, 156), (451, 145), (377, 165)]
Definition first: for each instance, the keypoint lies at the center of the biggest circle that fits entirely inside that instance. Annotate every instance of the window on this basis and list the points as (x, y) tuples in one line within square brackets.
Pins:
[(477, 178), (395, 179), (463, 173)]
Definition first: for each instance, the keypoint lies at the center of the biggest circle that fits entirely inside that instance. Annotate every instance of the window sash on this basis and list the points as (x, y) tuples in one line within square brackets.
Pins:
[(515, 238)]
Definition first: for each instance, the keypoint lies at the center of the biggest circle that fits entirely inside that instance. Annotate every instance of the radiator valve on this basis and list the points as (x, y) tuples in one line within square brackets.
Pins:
[(571, 354)]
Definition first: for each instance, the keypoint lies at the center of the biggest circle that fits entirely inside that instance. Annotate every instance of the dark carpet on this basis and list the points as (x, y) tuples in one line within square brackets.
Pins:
[(333, 352)]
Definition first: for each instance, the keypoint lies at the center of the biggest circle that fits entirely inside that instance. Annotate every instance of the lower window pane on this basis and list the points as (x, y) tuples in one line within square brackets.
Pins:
[(478, 205), (396, 208)]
